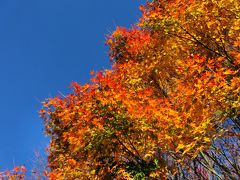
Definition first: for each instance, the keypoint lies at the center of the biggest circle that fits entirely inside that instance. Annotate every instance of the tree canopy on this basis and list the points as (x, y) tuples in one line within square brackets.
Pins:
[(168, 108)]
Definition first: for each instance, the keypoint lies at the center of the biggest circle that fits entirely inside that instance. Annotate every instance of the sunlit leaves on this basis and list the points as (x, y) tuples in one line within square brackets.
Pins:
[(174, 82), (17, 173)]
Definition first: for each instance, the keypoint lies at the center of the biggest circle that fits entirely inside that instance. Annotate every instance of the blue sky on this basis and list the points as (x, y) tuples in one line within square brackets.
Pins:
[(44, 46)]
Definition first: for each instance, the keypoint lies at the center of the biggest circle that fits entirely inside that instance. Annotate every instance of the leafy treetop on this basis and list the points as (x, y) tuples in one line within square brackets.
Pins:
[(174, 81)]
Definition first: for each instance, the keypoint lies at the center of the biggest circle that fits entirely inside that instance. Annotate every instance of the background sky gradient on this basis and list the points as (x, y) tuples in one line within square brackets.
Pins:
[(44, 46)]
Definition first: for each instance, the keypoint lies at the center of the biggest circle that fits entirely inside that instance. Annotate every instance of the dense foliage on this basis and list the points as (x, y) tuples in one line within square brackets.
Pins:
[(168, 108)]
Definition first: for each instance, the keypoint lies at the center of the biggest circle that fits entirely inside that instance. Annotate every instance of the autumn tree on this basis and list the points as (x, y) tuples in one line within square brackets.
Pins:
[(169, 108)]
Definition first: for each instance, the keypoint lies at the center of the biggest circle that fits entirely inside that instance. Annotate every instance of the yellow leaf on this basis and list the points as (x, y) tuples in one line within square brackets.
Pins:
[(209, 24), (180, 146)]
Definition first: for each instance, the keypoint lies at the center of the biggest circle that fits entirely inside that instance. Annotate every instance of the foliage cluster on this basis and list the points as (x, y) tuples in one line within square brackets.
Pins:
[(169, 108), (17, 173)]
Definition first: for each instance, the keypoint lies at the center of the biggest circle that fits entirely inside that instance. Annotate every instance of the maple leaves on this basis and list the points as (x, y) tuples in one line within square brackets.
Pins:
[(17, 173), (163, 106)]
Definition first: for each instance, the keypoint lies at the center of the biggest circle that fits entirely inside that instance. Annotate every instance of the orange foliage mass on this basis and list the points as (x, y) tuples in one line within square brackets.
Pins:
[(174, 80)]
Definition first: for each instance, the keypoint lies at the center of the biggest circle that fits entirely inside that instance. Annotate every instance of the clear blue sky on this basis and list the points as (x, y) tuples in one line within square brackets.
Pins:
[(44, 46)]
